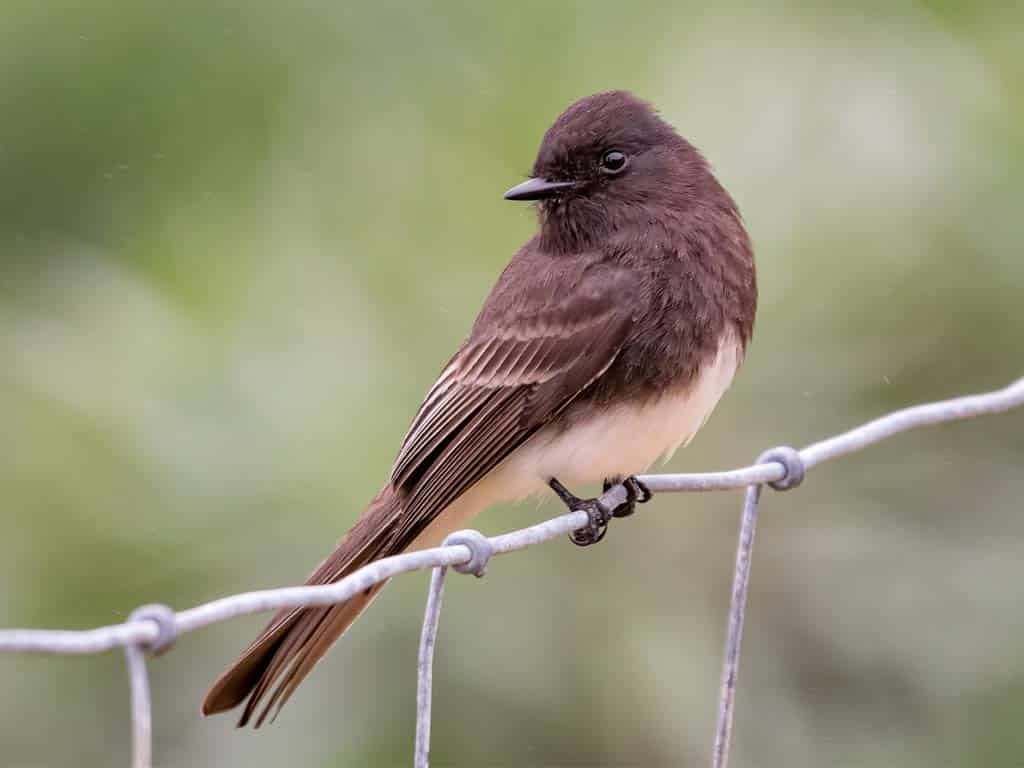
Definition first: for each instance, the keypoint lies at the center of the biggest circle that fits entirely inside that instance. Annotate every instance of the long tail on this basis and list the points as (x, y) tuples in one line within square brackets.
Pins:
[(296, 638)]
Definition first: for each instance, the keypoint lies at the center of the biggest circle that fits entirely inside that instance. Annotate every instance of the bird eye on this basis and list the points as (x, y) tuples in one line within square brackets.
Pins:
[(613, 161)]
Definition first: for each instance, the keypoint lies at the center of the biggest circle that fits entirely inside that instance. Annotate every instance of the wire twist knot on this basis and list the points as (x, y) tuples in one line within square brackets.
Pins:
[(480, 549), (791, 461), (167, 627)]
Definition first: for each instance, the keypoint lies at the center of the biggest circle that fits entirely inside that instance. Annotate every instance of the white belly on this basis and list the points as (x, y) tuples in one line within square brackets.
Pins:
[(623, 440)]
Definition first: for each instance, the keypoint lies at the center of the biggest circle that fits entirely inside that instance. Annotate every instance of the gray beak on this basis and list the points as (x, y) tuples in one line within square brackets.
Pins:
[(537, 189)]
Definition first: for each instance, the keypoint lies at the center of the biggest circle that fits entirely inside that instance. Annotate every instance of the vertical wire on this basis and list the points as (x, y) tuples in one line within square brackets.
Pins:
[(425, 666), (142, 750), (734, 631)]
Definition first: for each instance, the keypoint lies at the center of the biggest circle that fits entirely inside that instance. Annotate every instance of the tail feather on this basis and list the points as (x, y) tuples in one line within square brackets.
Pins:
[(297, 638), (325, 630)]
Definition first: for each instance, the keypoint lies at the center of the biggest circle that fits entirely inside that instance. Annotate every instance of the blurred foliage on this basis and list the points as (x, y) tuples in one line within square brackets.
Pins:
[(239, 239)]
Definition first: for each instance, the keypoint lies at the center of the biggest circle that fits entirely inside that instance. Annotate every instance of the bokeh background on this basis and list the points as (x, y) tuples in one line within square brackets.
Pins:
[(238, 240)]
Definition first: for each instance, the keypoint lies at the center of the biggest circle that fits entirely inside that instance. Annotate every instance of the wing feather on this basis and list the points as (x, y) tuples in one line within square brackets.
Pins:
[(504, 384)]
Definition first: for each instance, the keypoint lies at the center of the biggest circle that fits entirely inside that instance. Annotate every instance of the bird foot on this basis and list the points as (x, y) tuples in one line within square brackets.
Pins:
[(597, 511), (636, 493)]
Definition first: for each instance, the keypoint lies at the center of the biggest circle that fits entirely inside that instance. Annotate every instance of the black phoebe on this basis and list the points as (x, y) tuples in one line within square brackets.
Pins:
[(605, 344)]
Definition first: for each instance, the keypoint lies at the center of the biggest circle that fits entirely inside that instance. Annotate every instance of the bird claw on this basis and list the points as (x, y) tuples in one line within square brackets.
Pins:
[(596, 528), (598, 513), (636, 493)]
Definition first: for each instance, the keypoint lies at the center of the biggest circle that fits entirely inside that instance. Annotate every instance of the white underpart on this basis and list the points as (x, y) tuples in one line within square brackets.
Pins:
[(624, 440)]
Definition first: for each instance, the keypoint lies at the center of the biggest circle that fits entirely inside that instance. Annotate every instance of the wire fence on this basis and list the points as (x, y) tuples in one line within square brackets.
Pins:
[(152, 629)]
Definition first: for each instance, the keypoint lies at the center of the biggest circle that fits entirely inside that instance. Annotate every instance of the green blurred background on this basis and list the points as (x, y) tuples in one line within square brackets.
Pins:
[(239, 239)]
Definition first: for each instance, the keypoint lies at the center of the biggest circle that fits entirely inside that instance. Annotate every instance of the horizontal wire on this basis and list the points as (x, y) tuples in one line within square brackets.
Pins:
[(144, 631)]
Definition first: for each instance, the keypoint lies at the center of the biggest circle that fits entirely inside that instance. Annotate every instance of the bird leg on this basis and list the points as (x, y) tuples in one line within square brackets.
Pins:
[(598, 512)]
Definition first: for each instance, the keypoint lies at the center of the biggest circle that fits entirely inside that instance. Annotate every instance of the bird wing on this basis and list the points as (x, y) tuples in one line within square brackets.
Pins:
[(507, 381)]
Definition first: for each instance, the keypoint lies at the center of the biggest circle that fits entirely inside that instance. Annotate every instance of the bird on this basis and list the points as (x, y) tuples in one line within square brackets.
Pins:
[(604, 345)]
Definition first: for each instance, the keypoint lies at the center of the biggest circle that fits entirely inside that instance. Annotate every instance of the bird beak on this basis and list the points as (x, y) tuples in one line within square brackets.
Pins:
[(537, 189)]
